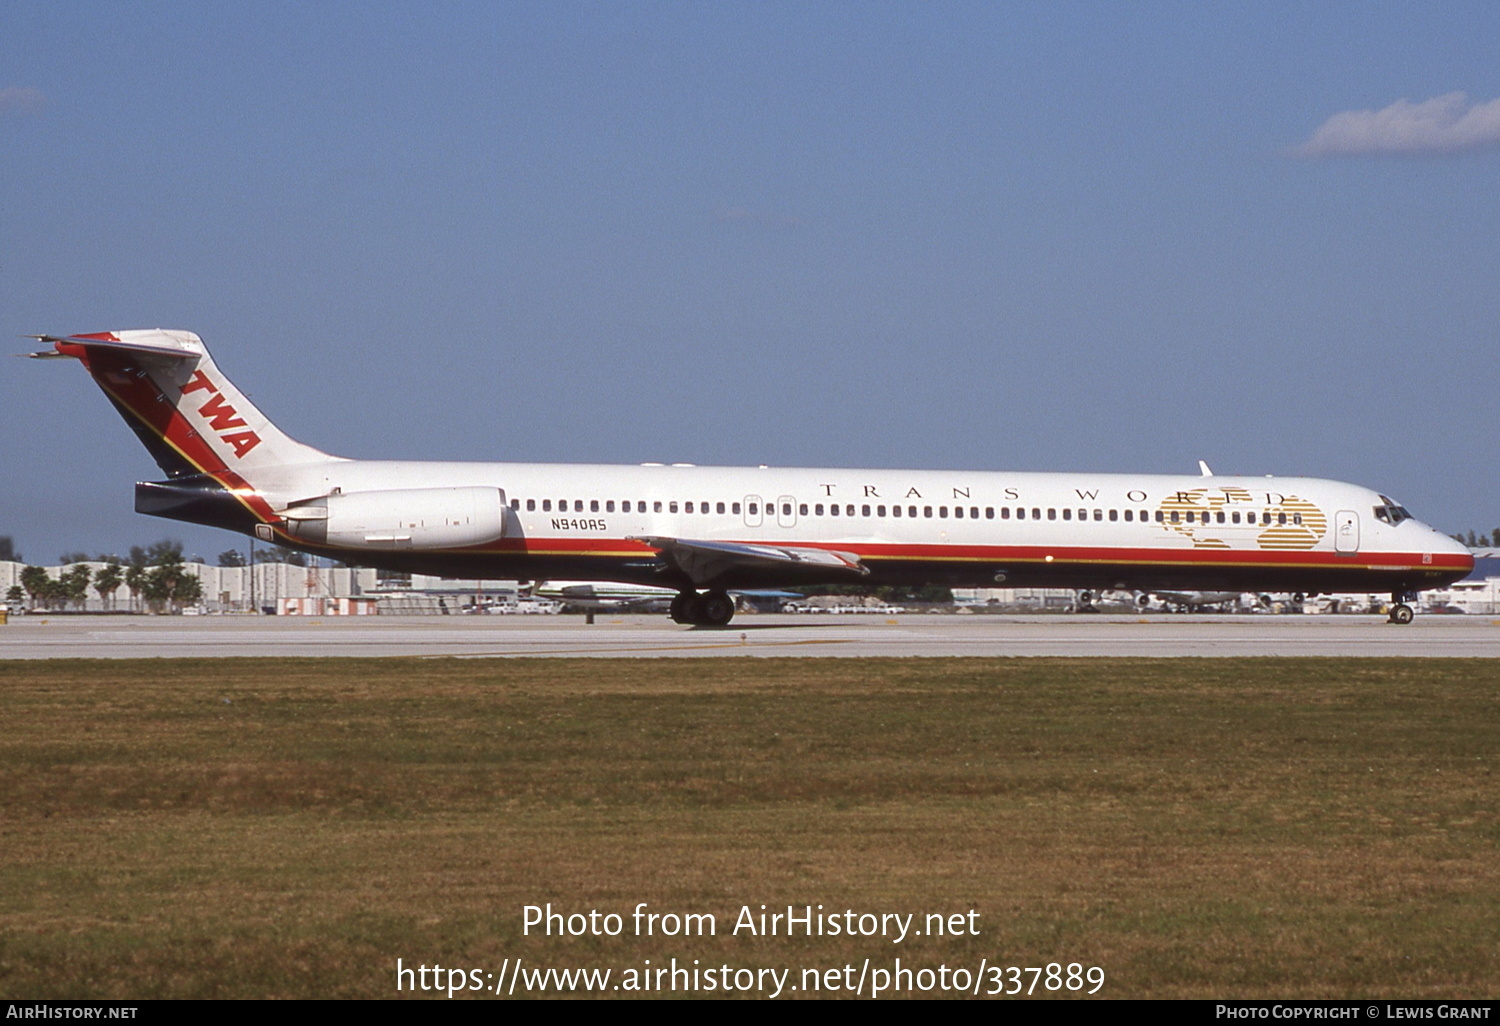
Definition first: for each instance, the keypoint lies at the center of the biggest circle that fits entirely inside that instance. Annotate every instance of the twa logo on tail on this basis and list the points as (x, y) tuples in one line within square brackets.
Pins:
[(222, 417)]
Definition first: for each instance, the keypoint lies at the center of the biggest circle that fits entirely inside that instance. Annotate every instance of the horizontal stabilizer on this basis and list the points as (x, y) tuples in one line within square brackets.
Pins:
[(177, 345), (726, 564)]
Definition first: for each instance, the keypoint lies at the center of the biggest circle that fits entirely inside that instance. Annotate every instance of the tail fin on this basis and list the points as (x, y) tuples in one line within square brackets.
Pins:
[(188, 415)]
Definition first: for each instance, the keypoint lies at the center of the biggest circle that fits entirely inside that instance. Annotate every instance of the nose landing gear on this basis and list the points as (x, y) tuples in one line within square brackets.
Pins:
[(1401, 612)]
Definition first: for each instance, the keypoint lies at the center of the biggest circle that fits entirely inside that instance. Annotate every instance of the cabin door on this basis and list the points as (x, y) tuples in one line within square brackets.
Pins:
[(1346, 532), (786, 511), (752, 511)]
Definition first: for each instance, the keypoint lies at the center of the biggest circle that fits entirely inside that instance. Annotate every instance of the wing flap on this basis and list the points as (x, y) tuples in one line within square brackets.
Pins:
[(724, 564)]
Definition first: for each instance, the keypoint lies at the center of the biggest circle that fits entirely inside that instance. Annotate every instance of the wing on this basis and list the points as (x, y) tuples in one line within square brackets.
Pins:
[(723, 564)]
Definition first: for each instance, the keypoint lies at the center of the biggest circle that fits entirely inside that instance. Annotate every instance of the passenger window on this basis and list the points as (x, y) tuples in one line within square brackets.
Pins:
[(656, 506), (755, 509), (1128, 517), (786, 509), (1296, 518), (880, 511), (1004, 512), (801, 510), (734, 508), (530, 505), (687, 508), (671, 507), (1067, 514), (989, 512), (546, 505), (895, 511), (593, 505), (849, 510), (720, 507), (1234, 517), (864, 511), (942, 512), (609, 505), (1114, 515), (833, 511), (1021, 513), (958, 512), (1174, 517), (1036, 513), (926, 512), (1051, 514), (818, 510), (1281, 518), (1160, 516)]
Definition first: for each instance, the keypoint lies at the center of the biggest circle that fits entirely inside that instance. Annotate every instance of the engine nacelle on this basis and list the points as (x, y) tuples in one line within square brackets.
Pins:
[(407, 518)]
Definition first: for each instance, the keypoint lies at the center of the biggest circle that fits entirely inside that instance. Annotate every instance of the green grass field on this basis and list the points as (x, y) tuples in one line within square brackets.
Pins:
[(1215, 828)]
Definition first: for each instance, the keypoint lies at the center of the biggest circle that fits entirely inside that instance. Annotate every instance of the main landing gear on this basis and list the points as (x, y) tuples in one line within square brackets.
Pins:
[(711, 608), (1401, 612)]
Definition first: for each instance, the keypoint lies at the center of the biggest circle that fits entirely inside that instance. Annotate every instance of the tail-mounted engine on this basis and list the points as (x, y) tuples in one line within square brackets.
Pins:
[(407, 518)]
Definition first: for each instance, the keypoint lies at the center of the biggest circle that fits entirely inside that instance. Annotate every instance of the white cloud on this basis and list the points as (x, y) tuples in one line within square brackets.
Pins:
[(21, 100), (1443, 124)]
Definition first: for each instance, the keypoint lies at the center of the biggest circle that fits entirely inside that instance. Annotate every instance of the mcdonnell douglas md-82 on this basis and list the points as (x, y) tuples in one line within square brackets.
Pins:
[(704, 530)]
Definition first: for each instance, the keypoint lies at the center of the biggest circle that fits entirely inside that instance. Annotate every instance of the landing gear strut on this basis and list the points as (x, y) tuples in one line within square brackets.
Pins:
[(1401, 612), (712, 609)]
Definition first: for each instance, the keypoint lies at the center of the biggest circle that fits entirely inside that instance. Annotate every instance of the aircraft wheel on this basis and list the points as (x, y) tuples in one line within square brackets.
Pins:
[(686, 607), (1401, 613), (715, 609)]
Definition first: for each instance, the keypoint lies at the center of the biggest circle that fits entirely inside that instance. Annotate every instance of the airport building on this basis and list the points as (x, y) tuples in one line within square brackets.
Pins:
[(287, 590)]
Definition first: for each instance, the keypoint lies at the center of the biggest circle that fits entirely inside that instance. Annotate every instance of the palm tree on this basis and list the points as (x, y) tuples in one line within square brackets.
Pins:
[(107, 582), (37, 584), (75, 584), (135, 580)]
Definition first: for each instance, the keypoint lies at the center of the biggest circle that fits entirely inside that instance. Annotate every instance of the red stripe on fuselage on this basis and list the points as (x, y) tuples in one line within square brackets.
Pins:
[(1132, 556)]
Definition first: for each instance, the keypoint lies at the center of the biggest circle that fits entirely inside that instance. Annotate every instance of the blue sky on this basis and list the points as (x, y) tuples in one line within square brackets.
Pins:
[(1096, 237)]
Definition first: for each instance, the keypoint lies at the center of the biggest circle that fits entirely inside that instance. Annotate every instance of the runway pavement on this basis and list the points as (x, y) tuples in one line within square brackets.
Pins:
[(135, 637)]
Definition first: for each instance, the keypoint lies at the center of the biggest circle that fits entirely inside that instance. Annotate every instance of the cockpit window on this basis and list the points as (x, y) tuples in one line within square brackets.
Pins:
[(1391, 512)]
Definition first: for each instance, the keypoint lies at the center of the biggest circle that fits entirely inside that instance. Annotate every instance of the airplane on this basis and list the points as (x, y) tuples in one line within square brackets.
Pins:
[(617, 597), (606, 595), (702, 531), (1186, 600)]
